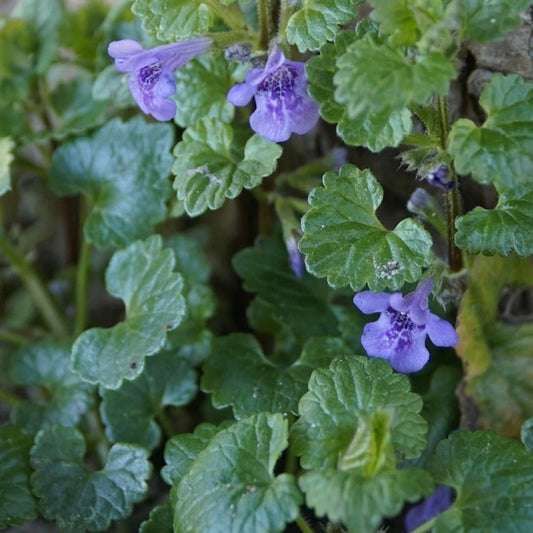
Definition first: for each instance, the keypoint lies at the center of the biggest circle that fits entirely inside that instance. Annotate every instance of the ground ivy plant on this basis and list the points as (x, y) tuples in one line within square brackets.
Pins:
[(265, 266)]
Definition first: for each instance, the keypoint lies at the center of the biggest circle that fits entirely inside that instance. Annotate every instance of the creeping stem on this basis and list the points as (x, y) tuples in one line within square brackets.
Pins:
[(42, 298)]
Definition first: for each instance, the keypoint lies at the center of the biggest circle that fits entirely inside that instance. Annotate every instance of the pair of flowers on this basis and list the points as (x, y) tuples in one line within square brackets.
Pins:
[(280, 88)]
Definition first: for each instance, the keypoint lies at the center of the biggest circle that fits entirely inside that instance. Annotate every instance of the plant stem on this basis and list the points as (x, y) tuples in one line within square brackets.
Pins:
[(82, 283), (165, 424), (231, 15), (264, 23), (41, 297), (426, 526), (302, 524), (12, 338)]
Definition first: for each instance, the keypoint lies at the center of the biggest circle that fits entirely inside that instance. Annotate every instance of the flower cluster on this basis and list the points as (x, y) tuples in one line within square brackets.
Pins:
[(399, 334), (151, 71), (282, 104)]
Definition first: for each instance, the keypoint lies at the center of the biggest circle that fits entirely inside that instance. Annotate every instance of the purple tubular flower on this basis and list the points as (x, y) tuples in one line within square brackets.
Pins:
[(152, 80), (399, 334), (282, 103), (440, 177), (438, 502)]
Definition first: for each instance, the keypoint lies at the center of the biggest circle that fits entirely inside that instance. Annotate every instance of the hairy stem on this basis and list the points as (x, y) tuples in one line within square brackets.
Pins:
[(303, 525), (82, 284), (41, 297)]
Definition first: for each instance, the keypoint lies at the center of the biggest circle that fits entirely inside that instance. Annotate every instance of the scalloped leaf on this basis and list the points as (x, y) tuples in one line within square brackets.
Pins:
[(502, 230), (484, 20), (123, 169), (493, 480), (142, 276), (77, 498), (166, 380), (346, 243), (360, 502), (501, 150), (376, 77), (47, 364), (159, 521), (231, 486), (176, 21), (373, 130), (238, 374), (318, 21), (359, 416), (16, 500), (214, 162)]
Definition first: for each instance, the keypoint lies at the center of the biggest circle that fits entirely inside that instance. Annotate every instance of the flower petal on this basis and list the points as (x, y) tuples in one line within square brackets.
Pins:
[(413, 358), (240, 94), (370, 302), (126, 53), (441, 332)]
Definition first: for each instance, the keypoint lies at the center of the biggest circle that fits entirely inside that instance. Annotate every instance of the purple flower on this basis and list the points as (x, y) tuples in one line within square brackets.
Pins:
[(282, 103), (152, 80), (440, 177), (295, 257), (399, 334), (438, 502)]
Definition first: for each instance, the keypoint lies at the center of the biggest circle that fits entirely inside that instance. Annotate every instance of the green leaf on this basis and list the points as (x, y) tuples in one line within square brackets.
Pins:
[(166, 380), (213, 162), (202, 87), (238, 374), (376, 77), (6, 157), (123, 169), (231, 487), (109, 85), (373, 130), (493, 480), (77, 498), (142, 276), (359, 502), (501, 150), (405, 21), (484, 20), (358, 415), (67, 398), (345, 242), (181, 451), (496, 355), (16, 501), (298, 306), (159, 521), (318, 21), (176, 21), (526, 434), (502, 230)]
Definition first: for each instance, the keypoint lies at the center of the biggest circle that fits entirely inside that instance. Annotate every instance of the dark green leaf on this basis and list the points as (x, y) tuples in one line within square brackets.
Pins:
[(231, 487), (123, 169), (358, 415), (238, 374), (166, 380), (345, 242), (142, 276), (501, 150), (493, 480), (67, 398), (77, 498), (159, 521), (16, 501), (213, 162)]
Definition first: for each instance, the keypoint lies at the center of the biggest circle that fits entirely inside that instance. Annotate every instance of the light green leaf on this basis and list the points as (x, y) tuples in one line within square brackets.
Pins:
[(77, 498), (6, 157), (231, 486), (502, 230), (176, 21), (16, 501), (142, 276), (345, 242), (493, 480), (67, 398), (318, 21), (238, 374), (214, 162), (166, 380), (298, 307), (484, 20), (112, 86), (358, 415), (123, 169), (361, 503), (376, 77), (159, 521), (202, 87), (501, 150)]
